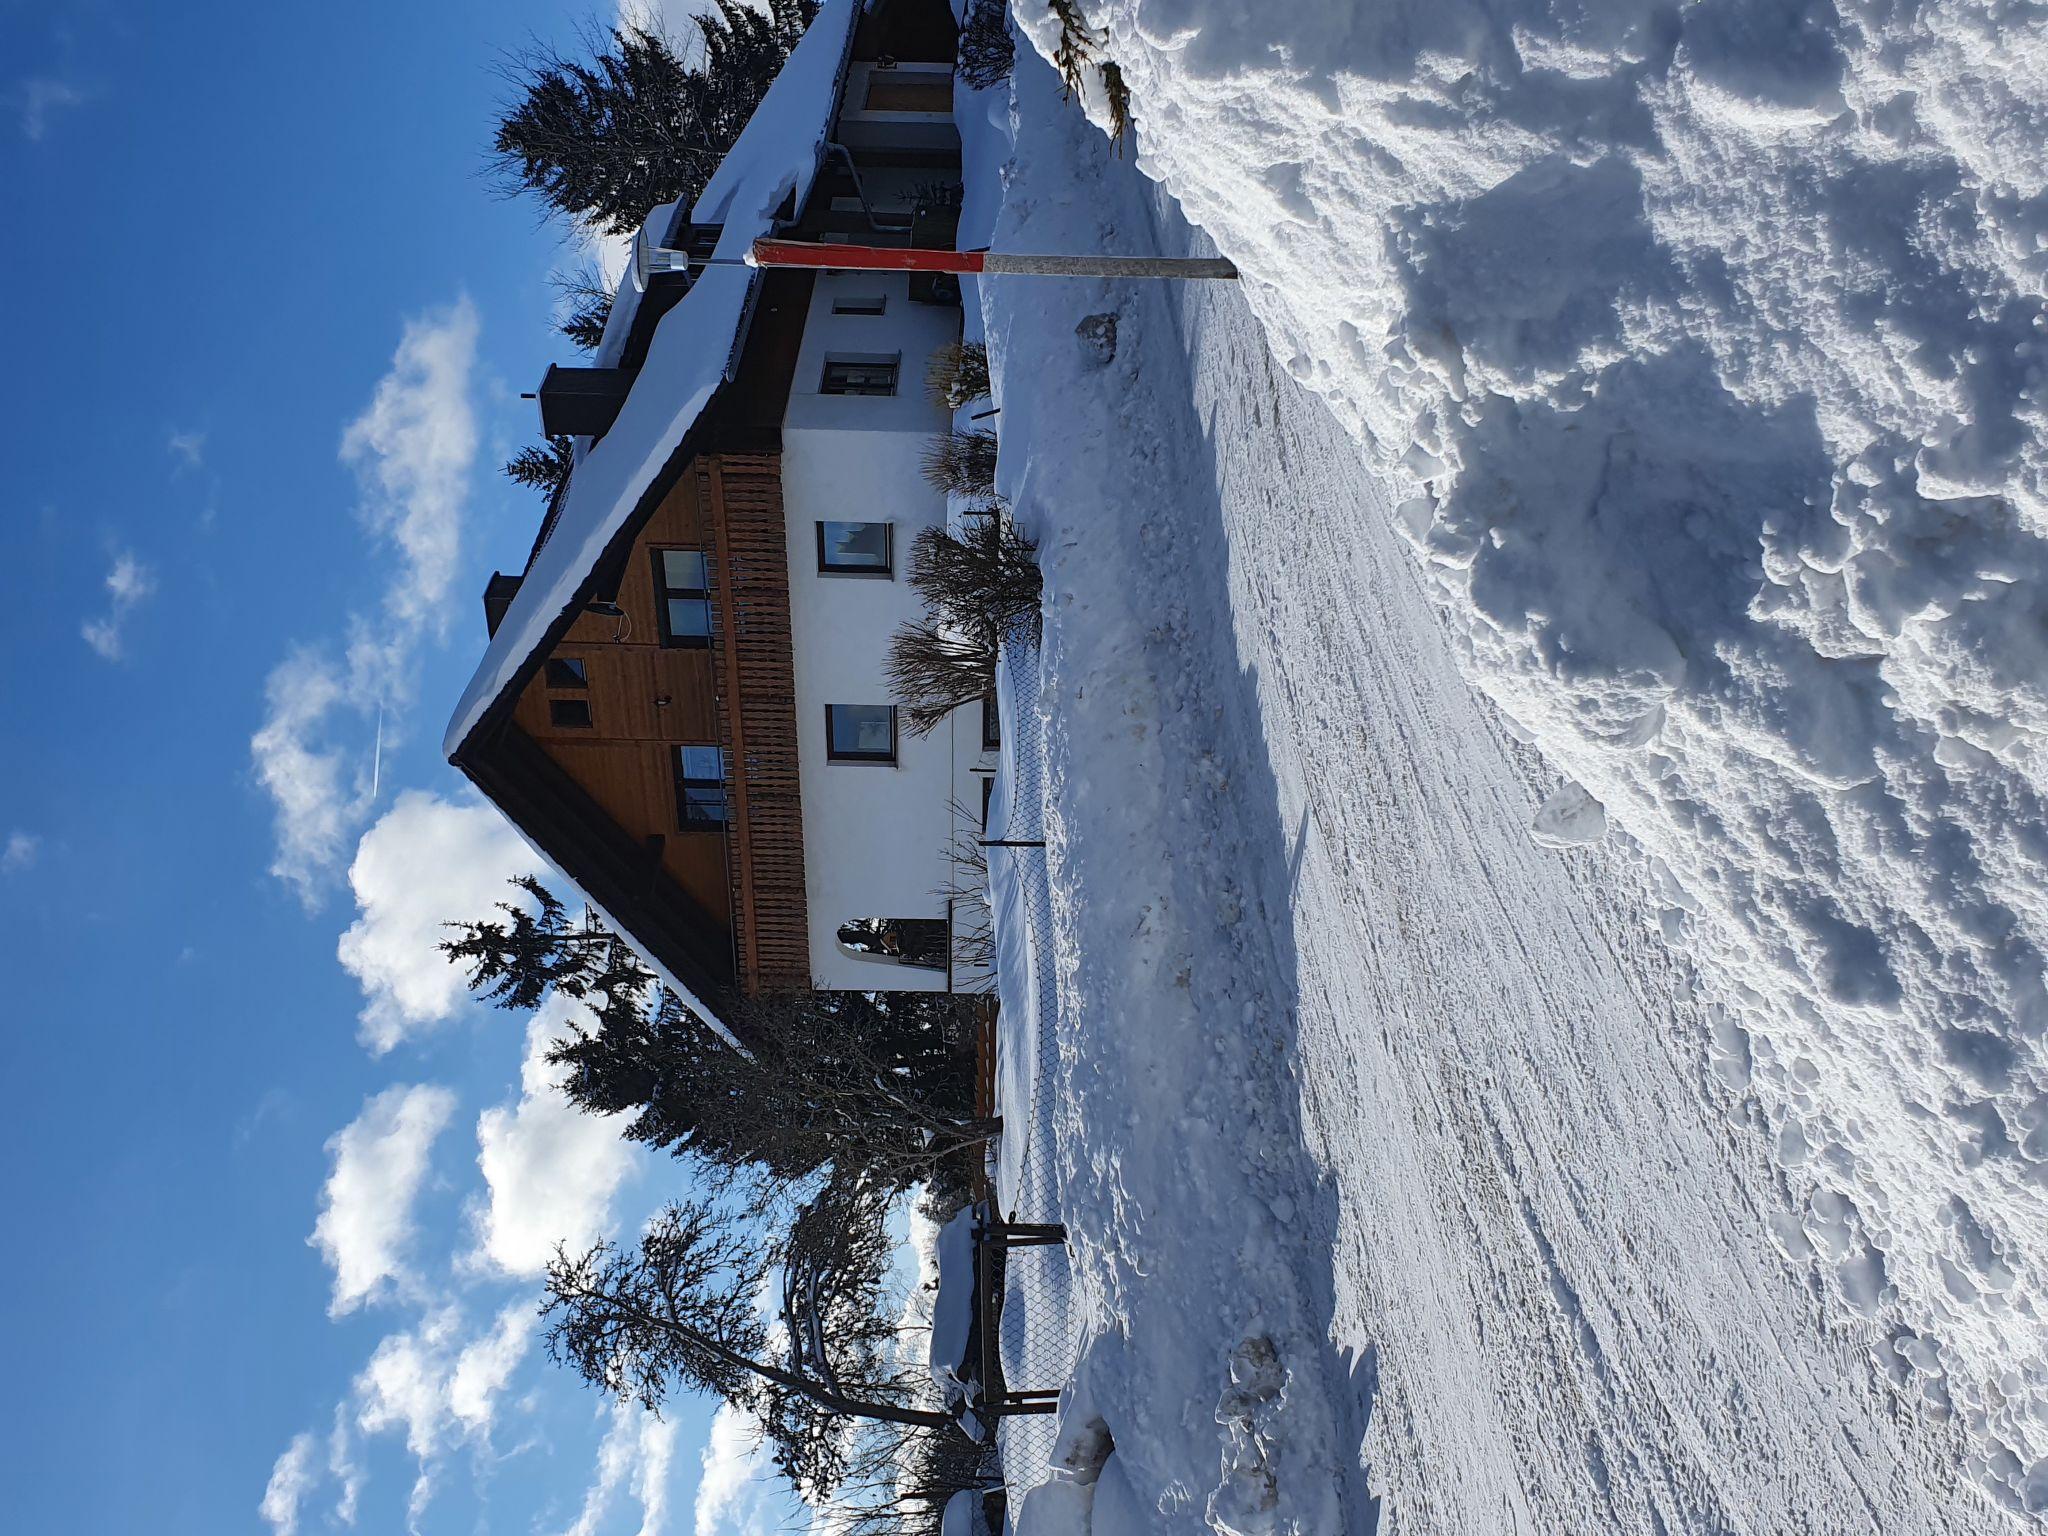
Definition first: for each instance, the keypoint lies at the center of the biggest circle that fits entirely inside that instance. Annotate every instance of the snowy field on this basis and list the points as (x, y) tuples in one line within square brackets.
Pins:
[(1569, 1190)]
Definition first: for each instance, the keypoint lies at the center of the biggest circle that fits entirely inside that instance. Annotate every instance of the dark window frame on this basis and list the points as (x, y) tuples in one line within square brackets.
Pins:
[(991, 724), (842, 371), (684, 784), (861, 304), (558, 707), (887, 570), (663, 592), (834, 755), (567, 672)]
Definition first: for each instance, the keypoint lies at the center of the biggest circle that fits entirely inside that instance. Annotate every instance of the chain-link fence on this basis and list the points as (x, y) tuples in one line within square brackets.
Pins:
[(1041, 1332)]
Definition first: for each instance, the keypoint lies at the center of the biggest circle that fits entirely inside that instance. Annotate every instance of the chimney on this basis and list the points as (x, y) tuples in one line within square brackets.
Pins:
[(498, 594), (582, 402)]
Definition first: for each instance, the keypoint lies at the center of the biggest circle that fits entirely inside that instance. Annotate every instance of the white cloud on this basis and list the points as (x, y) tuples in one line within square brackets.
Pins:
[(405, 1386), (291, 1479), (484, 1368), (188, 448), (37, 99), (326, 719), (343, 1467), (315, 807), (380, 1160), (128, 583), (21, 852), (426, 863), (734, 1496), (439, 1389), (413, 449), (639, 1446), (551, 1170)]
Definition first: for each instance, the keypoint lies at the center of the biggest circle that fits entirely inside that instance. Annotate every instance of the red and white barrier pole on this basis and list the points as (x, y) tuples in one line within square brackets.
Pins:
[(898, 258)]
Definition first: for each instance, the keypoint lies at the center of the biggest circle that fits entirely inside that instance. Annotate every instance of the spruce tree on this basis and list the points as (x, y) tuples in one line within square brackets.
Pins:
[(877, 1083), (605, 140), (544, 468), (587, 301)]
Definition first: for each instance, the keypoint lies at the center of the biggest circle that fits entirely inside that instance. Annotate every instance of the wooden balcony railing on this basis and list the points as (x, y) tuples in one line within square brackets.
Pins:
[(742, 494)]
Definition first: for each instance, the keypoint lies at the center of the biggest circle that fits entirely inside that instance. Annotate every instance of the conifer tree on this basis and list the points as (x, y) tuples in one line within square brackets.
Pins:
[(679, 1311), (542, 466), (873, 1082), (604, 140), (588, 306)]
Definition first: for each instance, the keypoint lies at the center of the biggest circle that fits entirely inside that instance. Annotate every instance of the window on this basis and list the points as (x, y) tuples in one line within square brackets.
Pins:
[(991, 724), (569, 714), (567, 672), (857, 374), (860, 733), (859, 304), (988, 790), (853, 549), (682, 593), (700, 788)]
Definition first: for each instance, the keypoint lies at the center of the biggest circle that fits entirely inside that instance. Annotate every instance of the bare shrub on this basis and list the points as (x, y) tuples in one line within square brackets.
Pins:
[(985, 576), (980, 587), (958, 374), (974, 933), (962, 463), (933, 670), (987, 50)]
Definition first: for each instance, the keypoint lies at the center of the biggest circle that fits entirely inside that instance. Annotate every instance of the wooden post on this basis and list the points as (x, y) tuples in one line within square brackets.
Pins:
[(907, 258)]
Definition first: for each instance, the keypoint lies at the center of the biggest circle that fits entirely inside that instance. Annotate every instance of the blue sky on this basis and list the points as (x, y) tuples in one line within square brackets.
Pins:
[(268, 330)]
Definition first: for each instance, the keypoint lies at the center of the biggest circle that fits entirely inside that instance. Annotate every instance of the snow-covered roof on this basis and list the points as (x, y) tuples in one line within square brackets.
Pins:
[(691, 354), (953, 1309), (776, 154), (618, 320)]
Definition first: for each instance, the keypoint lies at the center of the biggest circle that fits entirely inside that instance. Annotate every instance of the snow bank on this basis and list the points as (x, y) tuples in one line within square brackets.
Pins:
[(1704, 347), (953, 1309)]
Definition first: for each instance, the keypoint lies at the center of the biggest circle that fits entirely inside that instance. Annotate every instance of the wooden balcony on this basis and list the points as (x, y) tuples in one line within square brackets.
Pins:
[(756, 703)]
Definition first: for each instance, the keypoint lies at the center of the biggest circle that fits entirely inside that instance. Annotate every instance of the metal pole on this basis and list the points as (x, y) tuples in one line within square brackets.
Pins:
[(903, 258)]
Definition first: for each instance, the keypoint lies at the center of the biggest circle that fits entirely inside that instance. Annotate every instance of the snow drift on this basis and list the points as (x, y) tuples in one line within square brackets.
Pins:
[(1704, 346)]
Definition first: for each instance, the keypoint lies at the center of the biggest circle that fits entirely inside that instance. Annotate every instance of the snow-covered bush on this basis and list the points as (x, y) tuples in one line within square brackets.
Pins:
[(958, 374), (986, 48)]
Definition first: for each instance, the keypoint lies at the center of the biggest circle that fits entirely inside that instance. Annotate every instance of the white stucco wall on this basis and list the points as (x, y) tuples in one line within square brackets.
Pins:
[(875, 836)]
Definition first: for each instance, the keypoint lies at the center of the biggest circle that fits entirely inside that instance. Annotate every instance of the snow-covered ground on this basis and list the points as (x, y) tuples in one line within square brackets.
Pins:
[(1570, 1190)]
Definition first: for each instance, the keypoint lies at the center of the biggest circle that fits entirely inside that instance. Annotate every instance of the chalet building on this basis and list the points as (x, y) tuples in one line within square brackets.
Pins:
[(683, 701)]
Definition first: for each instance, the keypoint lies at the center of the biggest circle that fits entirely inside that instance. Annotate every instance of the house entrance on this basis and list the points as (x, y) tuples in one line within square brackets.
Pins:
[(920, 942)]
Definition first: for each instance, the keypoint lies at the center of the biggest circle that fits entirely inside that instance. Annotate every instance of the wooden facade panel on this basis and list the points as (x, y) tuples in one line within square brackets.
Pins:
[(644, 701), (739, 693), (634, 783)]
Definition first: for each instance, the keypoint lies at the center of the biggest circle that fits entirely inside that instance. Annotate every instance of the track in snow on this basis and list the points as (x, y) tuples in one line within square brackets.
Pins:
[(1346, 1061)]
